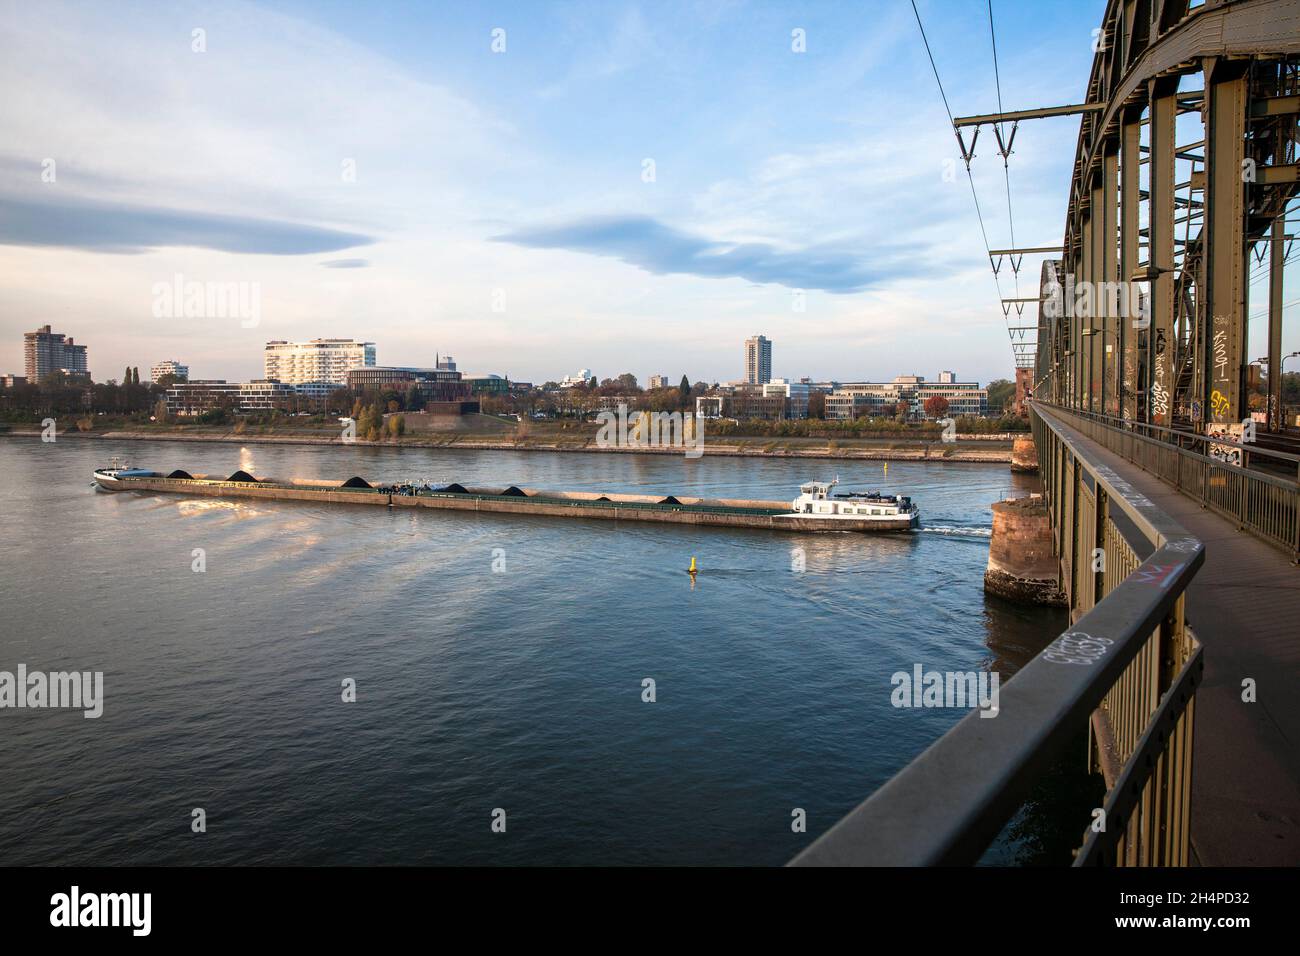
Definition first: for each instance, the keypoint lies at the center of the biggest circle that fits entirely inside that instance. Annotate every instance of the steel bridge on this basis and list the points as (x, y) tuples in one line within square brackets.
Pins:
[(1170, 463)]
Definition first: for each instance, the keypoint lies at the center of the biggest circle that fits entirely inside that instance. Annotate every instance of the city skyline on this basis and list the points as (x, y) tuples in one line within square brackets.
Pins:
[(319, 360), (487, 222)]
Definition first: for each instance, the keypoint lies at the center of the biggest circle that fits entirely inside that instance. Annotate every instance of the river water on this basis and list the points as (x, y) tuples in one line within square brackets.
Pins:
[(499, 662)]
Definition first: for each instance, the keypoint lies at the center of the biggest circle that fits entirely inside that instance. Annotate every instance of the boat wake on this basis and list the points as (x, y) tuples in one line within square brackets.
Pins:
[(981, 533)]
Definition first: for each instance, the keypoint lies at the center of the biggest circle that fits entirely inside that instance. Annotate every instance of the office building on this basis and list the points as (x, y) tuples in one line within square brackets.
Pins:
[(186, 399), (795, 393), (882, 399), (194, 398), (963, 398), (320, 360), (433, 384), (317, 392), (749, 401), (265, 394), (487, 384)]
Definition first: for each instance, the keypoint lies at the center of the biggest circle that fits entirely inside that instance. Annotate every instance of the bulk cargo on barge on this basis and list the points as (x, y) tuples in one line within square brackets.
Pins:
[(814, 510)]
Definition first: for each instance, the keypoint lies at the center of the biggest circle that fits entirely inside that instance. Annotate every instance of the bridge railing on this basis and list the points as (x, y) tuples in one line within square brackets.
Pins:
[(1127, 668), (1256, 494)]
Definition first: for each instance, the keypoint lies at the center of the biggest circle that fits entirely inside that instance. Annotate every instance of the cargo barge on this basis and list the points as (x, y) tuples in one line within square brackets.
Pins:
[(815, 510)]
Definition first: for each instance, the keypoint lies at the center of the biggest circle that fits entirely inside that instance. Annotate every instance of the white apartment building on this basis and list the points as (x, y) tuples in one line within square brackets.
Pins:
[(658, 381), (320, 360), (758, 360), (169, 367)]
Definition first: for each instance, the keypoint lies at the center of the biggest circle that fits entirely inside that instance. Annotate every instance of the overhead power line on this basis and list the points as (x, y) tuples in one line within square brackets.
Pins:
[(979, 213)]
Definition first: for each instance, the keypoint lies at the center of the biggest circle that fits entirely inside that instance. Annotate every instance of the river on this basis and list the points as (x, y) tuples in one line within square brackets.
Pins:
[(500, 662)]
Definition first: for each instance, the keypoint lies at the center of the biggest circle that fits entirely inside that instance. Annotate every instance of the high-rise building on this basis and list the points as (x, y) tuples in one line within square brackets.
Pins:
[(758, 360), (320, 360), (445, 362), (947, 378), (169, 367), (45, 352), (658, 381)]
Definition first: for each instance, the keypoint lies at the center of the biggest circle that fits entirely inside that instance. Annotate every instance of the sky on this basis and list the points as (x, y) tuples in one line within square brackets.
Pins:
[(533, 187)]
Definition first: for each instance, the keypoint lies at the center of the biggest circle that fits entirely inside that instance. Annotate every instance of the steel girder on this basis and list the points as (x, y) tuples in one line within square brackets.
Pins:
[(1182, 359)]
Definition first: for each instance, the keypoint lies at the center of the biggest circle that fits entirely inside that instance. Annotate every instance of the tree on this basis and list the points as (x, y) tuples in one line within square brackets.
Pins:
[(126, 376), (1291, 388), (135, 375), (816, 404), (627, 382), (1000, 393), (685, 388), (936, 406)]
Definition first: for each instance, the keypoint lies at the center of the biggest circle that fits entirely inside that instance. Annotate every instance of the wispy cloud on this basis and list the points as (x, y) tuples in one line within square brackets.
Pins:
[(651, 245), (346, 263), (600, 52), (110, 227)]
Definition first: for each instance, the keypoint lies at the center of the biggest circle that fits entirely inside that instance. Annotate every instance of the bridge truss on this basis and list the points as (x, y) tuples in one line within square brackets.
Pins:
[(1184, 173)]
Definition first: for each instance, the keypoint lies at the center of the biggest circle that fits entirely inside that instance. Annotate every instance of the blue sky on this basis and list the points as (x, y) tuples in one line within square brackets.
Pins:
[(501, 208)]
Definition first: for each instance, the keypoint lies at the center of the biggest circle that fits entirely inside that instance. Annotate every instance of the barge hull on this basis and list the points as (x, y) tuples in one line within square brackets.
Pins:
[(738, 515)]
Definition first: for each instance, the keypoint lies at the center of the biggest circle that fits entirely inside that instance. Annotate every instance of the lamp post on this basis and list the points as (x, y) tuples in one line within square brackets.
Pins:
[(1105, 359), (1281, 376)]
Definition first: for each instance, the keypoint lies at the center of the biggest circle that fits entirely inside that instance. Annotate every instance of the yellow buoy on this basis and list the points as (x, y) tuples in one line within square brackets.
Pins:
[(886, 467), (692, 567)]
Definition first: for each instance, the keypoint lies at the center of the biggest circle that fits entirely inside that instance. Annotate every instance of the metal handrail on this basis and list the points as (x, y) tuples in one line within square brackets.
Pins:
[(1265, 504), (1177, 436), (951, 802), (1124, 798)]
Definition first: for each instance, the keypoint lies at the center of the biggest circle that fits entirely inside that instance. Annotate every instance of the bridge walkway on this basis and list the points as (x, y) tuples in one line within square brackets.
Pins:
[(1244, 605)]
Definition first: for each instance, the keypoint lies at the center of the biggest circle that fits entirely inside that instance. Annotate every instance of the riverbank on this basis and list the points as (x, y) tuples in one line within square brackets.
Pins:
[(964, 450)]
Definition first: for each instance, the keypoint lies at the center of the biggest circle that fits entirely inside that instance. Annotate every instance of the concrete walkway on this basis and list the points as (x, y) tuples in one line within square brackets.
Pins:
[(1244, 605)]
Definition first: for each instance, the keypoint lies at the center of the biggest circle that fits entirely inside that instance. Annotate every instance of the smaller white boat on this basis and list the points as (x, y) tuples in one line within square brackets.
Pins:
[(860, 510), (109, 478)]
